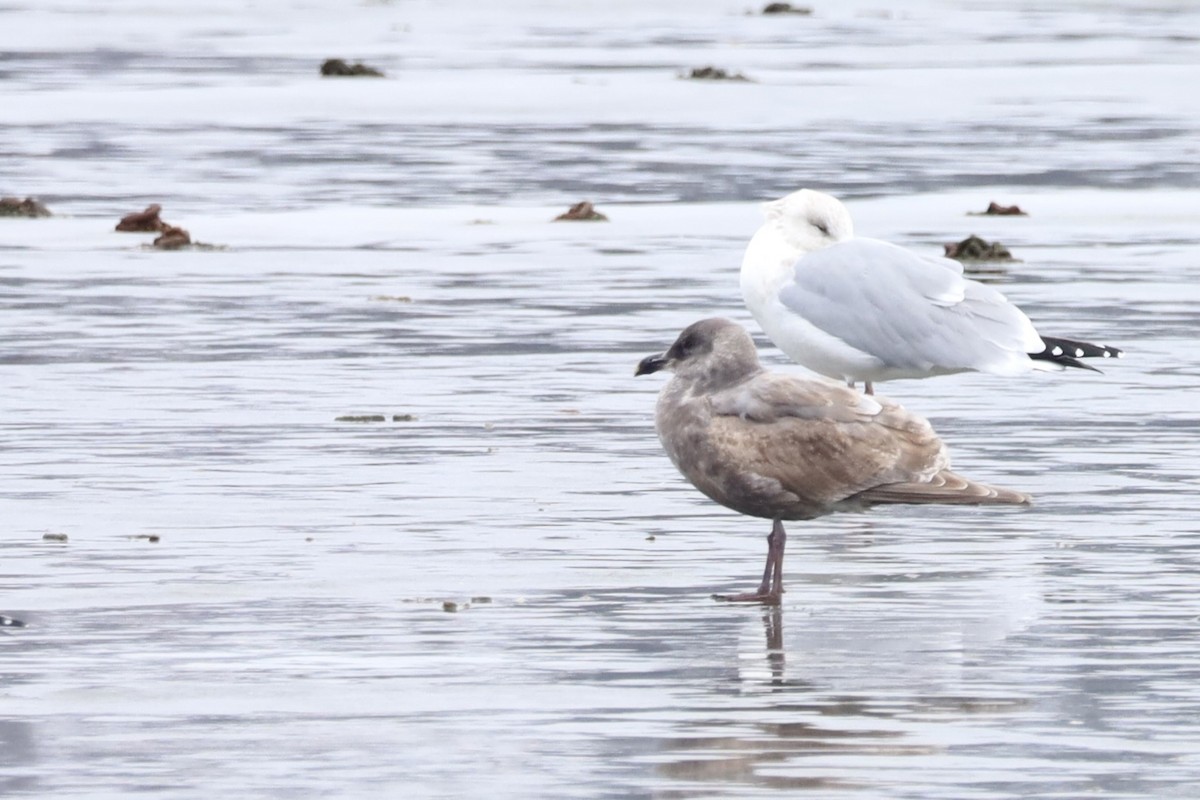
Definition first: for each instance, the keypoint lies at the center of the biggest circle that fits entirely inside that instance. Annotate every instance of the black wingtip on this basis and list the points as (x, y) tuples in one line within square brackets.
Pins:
[(1067, 352)]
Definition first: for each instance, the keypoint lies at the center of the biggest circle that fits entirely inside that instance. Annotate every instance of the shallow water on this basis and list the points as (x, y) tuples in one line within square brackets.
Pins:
[(387, 251)]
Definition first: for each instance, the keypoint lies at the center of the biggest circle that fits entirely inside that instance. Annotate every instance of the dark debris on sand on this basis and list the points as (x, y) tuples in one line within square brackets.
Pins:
[(172, 238), (146, 221), (337, 68), (375, 418), (974, 248), (581, 212), (994, 209), (16, 207), (787, 8), (715, 74)]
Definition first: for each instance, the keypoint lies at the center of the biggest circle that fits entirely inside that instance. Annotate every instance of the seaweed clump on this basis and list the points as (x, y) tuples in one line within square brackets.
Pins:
[(337, 68)]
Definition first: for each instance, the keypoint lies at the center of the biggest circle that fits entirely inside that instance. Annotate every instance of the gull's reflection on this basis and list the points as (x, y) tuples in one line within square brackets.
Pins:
[(766, 669), (773, 628)]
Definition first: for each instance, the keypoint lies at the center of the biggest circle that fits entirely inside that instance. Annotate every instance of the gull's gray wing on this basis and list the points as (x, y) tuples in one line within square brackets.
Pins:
[(912, 312)]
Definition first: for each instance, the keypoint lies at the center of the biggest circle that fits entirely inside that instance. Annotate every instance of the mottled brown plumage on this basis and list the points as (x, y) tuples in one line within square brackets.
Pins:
[(787, 448)]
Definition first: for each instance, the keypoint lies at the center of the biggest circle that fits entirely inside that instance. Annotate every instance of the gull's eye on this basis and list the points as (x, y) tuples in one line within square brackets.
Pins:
[(822, 227)]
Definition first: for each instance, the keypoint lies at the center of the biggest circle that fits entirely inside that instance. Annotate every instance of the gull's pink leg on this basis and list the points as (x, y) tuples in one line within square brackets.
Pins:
[(770, 591), (870, 388), (778, 542)]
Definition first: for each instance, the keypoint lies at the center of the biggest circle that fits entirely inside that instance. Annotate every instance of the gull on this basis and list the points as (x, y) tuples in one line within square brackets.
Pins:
[(859, 309), (783, 447)]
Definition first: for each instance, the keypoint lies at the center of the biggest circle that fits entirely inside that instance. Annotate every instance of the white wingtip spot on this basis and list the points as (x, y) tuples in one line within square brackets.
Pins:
[(1078, 352), (1057, 351), (1107, 354)]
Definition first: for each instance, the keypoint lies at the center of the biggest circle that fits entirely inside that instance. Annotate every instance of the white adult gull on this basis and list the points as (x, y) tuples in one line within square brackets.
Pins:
[(860, 309), (783, 447)]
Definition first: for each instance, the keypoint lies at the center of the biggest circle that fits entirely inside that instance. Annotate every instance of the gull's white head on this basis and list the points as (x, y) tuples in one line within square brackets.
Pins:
[(809, 220)]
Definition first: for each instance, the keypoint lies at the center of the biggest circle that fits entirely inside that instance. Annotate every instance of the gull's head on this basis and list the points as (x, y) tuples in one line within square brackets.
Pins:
[(712, 351), (809, 220)]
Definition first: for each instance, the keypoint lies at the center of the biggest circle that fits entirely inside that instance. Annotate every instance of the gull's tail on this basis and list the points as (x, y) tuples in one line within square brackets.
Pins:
[(945, 487), (1062, 353)]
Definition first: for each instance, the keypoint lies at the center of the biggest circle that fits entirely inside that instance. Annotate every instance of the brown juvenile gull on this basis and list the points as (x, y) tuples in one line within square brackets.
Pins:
[(783, 447)]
